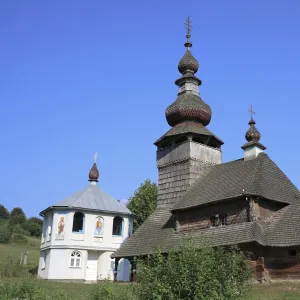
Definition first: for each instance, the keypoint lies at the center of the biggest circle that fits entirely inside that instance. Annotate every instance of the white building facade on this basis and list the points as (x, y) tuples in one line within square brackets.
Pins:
[(81, 232)]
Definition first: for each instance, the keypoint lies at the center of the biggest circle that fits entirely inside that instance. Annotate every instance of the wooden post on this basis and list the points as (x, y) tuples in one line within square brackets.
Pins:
[(116, 268), (133, 270)]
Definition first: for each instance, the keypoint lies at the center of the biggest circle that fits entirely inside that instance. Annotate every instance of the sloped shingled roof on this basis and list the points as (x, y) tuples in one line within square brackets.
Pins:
[(188, 127), (260, 177), (92, 198)]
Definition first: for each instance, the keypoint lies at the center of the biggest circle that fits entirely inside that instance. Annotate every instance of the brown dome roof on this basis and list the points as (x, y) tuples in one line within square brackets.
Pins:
[(94, 173), (188, 107), (188, 63), (252, 134)]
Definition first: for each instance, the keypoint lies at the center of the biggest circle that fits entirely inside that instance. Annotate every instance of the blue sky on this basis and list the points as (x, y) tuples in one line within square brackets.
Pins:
[(84, 76)]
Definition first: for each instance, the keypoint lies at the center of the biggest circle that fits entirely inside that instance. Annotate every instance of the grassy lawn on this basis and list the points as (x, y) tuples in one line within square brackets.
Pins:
[(276, 291), (75, 291), (13, 251)]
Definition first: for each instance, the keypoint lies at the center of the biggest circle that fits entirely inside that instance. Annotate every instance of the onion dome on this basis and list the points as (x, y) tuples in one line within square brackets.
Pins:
[(188, 107), (94, 173), (252, 135), (188, 63)]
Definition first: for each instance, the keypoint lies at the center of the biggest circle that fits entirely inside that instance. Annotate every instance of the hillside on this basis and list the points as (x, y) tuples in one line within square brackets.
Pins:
[(13, 251)]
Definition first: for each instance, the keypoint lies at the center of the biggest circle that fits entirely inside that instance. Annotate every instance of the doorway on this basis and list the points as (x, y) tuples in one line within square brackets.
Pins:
[(92, 266)]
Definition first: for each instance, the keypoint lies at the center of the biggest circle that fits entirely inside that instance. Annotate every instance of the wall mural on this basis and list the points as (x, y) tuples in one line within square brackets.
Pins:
[(61, 223), (99, 226)]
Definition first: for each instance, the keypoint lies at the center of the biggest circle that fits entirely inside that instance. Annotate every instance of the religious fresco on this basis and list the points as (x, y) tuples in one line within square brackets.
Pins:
[(99, 226), (61, 222)]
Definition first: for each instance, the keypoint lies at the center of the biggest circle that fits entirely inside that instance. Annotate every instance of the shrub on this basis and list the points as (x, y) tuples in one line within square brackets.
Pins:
[(19, 239), (17, 228), (33, 228), (5, 234), (27, 289), (4, 213), (110, 291), (190, 273)]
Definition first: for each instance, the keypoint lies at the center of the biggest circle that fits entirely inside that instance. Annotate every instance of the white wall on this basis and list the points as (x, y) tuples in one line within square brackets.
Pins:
[(60, 265), (87, 239), (59, 248)]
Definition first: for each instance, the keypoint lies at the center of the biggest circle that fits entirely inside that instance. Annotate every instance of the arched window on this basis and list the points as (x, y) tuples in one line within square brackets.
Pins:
[(117, 226), (75, 261), (78, 222)]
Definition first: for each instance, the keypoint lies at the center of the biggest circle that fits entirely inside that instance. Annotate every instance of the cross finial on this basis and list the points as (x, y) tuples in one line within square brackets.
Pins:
[(188, 27), (251, 112), (95, 157)]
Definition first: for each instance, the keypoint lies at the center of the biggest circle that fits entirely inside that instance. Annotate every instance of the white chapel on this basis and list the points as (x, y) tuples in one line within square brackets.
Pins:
[(81, 232)]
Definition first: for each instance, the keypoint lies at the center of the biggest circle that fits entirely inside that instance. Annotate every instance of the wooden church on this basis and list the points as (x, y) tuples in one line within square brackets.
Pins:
[(248, 202)]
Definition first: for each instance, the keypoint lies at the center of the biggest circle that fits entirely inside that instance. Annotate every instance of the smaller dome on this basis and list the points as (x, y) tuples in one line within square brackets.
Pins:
[(188, 63), (252, 135), (94, 173)]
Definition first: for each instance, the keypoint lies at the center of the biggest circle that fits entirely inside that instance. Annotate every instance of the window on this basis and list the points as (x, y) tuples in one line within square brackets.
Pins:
[(223, 220), (78, 222), (219, 220), (214, 220), (44, 261), (117, 226), (292, 252), (75, 259)]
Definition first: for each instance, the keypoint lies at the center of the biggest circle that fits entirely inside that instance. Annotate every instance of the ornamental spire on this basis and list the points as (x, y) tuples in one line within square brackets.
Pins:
[(188, 27), (94, 173), (188, 107), (252, 147), (252, 134)]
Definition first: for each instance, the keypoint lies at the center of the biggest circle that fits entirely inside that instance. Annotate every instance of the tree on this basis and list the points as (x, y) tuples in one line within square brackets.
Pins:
[(35, 220), (4, 213), (143, 202), (190, 273), (33, 228), (17, 216)]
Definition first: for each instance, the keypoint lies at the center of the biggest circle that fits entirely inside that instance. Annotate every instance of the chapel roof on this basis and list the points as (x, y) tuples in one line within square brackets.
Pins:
[(91, 197), (259, 176)]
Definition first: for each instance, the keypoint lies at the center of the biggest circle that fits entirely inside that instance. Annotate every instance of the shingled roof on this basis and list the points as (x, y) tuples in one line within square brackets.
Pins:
[(259, 176), (188, 127), (92, 198)]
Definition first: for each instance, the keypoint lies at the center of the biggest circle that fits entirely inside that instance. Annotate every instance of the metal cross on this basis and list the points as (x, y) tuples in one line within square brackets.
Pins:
[(188, 26), (251, 112), (95, 157)]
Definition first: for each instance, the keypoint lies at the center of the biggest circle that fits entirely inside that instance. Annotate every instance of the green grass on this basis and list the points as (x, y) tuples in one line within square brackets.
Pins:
[(76, 291), (285, 290), (13, 251)]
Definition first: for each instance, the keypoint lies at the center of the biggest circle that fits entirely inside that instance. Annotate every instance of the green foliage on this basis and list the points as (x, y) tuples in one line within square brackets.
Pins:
[(33, 228), (35, 220), (17, 216), (110, 291), (19, 239), (18, 229), (4, 213), (27, 289), (143, 202), (5, 234), (190, 273)]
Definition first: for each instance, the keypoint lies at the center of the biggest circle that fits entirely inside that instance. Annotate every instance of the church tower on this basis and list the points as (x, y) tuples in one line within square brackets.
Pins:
[(188, 147)]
